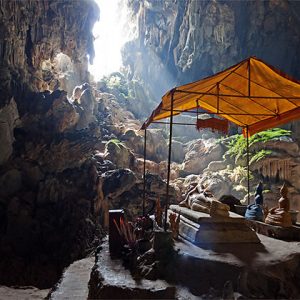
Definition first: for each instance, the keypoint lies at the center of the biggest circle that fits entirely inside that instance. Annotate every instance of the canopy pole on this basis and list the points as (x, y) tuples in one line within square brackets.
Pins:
[(248, 164), (249, 92), (218, 97), (144, 187), (169, 159), (197, 103)]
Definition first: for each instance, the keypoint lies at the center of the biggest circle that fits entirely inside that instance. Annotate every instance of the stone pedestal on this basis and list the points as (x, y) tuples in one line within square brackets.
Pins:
[(201, 228), (282, 233)]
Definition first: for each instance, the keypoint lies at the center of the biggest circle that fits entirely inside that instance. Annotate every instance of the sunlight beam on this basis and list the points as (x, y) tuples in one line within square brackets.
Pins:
[(109, 38)]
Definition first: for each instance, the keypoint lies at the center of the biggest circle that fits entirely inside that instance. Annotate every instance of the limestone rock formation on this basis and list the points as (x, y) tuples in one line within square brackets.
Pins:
[(119, 154), (189, 40), (116, 116), (9, 118), (33, 33), (199, 154), (47, 181)]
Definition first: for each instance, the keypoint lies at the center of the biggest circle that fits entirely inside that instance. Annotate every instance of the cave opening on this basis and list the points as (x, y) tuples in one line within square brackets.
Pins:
[(110, 34)]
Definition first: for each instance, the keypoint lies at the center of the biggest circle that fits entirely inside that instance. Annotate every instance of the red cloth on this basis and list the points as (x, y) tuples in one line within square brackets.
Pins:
[(214, 124)]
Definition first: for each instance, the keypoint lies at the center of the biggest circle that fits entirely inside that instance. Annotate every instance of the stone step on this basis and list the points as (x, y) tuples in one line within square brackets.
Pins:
[(74, 282)]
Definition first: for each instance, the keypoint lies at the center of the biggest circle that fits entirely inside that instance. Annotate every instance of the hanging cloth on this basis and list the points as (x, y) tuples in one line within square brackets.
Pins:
[(219, 125)]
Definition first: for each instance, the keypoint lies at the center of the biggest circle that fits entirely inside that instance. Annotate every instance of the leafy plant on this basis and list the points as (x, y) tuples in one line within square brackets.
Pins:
[(116, 142), (115, 81), (237, 144), (260, 155), (270, 134)]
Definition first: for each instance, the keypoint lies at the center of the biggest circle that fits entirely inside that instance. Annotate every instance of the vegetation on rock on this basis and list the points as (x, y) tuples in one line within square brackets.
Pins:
[(116, 142), (116, 81), (237, 145)]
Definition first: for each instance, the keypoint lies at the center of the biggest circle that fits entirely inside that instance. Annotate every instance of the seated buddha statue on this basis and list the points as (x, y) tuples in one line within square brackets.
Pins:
[(280, 215), (200, 199), (255, 211)]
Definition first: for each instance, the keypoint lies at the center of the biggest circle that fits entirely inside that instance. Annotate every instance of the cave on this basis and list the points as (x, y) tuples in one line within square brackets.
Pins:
[(78, 79)]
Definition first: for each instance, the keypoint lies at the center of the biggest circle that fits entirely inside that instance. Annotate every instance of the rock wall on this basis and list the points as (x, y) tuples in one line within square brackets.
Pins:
[(47, 176), (181, 41), (32, 33), (47, 192)]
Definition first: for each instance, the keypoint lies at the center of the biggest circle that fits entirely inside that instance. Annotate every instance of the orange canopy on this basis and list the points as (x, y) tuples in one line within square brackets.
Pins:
[(251, 94)]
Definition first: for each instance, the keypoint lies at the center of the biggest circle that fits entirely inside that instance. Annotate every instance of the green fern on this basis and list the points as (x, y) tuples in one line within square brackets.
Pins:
[(270, 134), (116, 142), (260, 155), (237, 145)]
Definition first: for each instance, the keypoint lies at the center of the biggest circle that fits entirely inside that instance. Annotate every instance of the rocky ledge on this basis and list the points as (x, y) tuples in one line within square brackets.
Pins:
[(110, 280), (267, 270)]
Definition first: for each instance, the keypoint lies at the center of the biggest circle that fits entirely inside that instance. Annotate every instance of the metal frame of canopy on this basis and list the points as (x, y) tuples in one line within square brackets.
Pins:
[(295, 113), (171, 123)]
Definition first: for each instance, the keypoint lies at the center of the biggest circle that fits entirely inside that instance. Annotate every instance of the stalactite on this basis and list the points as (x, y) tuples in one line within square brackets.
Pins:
[(272, 168)]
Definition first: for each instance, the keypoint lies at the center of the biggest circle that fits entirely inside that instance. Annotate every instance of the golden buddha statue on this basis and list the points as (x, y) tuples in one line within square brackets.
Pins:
[(280, 216)]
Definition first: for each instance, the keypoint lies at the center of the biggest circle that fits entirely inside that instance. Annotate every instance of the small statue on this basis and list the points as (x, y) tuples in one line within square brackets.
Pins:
[(280, 215), (200, 199), (158, 213), (255, 211), (174, 224)]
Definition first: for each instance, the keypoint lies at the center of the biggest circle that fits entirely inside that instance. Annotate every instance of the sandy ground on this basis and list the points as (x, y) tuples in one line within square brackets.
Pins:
[(22, 293)]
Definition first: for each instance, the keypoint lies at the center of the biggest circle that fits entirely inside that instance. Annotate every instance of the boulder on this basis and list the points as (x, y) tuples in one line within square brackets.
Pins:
[(110, 280), (151, 166), (87, 109), (116, 182), (157, 147), (119, 154), (163, 170), (215, 166), (178, 152), (200, 153), (115, 115), (133, 140), (64, 113), (286, 145)]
